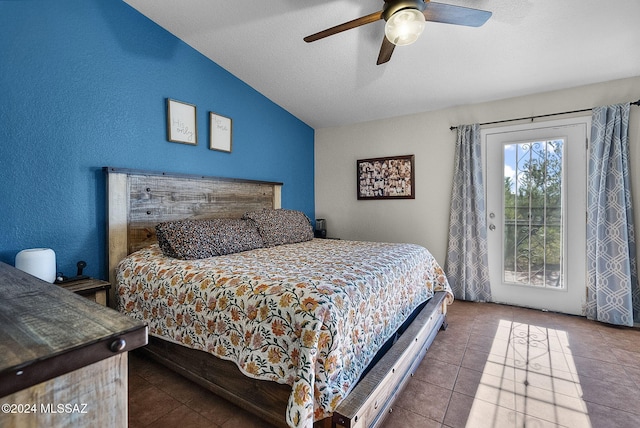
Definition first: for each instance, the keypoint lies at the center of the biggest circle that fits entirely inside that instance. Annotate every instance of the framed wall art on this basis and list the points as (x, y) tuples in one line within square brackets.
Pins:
[(181, 122), (386, 178), (221, 132)]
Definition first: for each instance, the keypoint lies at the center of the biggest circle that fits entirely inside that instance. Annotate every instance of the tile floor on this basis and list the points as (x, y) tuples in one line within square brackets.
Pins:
[(495, 366)]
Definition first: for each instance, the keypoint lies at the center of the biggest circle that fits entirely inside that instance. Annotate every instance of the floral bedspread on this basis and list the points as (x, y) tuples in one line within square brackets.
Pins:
[(311, 315)]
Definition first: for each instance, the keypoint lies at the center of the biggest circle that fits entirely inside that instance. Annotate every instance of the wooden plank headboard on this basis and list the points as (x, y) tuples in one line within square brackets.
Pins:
[(138, 200)]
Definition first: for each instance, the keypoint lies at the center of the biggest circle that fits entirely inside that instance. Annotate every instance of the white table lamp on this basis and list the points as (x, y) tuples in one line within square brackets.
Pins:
[(39, 262)]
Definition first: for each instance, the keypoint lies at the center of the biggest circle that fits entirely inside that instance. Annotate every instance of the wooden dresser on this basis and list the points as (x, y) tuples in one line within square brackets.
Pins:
[(63, 358)]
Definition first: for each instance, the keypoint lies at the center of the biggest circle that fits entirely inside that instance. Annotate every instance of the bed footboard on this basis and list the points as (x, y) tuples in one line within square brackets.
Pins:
[(372, 399)]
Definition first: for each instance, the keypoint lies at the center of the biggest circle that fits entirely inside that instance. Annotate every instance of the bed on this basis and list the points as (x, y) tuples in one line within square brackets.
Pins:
[(295, 329)]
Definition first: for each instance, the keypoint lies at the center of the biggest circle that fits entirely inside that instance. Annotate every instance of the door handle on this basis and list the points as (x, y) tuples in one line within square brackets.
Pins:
[(492, 226)]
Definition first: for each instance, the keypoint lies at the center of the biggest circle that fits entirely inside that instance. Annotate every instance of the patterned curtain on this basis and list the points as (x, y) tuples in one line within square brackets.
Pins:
[(612, 280), (466, 265)]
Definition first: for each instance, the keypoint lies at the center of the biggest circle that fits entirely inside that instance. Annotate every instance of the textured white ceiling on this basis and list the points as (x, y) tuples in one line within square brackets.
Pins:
[(527, 46)]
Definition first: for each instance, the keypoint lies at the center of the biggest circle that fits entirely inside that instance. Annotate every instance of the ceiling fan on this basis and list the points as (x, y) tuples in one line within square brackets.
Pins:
[(405, 20)]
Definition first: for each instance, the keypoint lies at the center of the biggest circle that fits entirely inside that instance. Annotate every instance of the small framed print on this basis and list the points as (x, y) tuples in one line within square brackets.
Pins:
[(386, 178), (221, 132), (181, 122)]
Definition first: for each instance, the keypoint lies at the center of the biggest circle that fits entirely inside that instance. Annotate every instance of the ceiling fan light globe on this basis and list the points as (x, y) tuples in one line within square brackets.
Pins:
[(404, 27)]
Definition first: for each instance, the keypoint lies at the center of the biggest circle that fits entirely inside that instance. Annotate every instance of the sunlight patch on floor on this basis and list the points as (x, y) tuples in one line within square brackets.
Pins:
[(529, 379)]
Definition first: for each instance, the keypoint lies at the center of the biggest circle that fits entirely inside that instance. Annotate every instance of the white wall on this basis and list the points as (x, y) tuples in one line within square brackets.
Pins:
[(425, 219)]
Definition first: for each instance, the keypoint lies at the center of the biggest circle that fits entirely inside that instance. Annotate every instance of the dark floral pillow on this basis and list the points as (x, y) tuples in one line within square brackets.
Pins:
[(281, 226), (199, 239)]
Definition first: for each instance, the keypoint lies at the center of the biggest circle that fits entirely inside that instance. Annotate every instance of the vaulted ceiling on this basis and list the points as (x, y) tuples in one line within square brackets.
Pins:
[(527, 46)]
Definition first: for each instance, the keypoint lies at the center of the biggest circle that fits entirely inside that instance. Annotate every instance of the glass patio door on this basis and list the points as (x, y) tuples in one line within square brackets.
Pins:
[(536, 205)]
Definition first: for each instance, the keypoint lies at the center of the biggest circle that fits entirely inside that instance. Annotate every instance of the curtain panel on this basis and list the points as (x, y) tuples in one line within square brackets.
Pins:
[(466, 264), (613, 295)]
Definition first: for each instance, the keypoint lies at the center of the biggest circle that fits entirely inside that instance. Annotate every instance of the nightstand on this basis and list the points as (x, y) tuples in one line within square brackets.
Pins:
[(91, 288)]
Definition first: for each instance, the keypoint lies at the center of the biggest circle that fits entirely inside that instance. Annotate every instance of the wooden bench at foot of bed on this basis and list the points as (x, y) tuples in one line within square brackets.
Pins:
[(367, 404)]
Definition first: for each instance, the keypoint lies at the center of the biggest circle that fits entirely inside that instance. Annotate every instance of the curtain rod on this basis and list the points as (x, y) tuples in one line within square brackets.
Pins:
[(636, 103)]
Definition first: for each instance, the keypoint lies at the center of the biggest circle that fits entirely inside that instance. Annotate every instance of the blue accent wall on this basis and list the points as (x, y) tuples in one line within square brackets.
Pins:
[(83, 84)]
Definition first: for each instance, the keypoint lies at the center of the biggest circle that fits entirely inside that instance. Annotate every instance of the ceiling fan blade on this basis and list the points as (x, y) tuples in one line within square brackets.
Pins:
[(385, 51), (458, 15), (373, 17)]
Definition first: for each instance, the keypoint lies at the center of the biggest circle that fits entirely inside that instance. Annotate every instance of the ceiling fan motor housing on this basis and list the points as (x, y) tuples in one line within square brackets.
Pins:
[(393, 6)]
